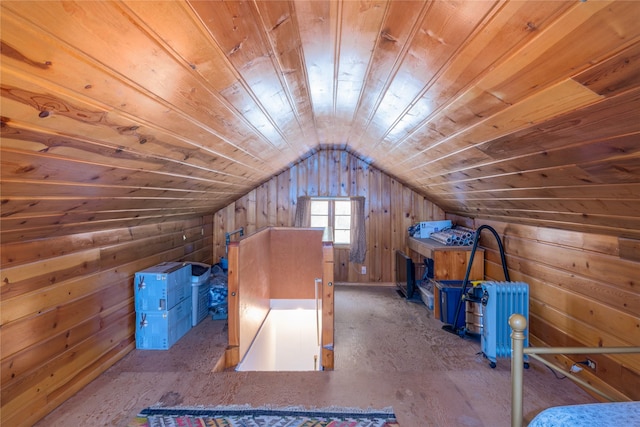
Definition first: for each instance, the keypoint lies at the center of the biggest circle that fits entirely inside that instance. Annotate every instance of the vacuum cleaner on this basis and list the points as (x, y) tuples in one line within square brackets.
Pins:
[(461, 329)]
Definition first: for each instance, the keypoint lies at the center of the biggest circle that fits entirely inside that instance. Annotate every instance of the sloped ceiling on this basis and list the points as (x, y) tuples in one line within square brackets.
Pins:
[(115, 113)]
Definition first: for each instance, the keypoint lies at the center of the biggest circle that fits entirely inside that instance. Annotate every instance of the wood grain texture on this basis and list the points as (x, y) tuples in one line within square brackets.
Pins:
[(583, 292), (151, 110), (328, 307), (293, 264), (629, 249), (233, 304), (67, 311), (449, 262), (387, 201), (131, 128)]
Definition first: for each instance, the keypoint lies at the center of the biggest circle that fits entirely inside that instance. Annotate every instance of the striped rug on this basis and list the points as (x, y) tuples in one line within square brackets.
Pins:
[(246, 416)]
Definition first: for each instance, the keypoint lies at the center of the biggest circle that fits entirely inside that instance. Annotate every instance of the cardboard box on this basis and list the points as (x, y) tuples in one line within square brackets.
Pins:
[(428, 227)]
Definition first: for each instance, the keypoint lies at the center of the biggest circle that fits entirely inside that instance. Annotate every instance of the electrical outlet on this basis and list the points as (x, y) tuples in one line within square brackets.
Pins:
[(591, 364), (363, 269)]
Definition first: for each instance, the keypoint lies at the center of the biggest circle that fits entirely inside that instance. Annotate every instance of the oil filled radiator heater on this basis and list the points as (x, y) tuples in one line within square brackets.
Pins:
[(499, 301)]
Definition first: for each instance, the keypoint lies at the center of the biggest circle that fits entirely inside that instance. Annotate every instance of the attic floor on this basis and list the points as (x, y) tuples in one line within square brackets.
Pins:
[(388, 352)]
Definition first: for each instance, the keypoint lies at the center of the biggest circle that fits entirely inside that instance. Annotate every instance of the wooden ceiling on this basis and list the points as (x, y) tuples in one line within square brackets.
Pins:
[(126, 112)]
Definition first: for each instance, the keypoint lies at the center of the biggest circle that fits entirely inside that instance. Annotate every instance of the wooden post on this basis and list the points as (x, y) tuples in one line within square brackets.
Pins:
[(328, 320), (518, 324), (233, 307)]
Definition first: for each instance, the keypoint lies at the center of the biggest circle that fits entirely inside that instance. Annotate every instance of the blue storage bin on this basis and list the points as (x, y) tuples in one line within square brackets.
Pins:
[(450, 294), (159, 330), (162, 286)]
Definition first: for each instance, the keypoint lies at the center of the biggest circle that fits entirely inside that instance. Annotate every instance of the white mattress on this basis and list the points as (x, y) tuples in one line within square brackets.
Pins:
[(615, 414)]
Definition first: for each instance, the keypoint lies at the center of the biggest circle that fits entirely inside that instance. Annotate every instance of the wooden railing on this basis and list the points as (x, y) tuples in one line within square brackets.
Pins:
[(518, 324)]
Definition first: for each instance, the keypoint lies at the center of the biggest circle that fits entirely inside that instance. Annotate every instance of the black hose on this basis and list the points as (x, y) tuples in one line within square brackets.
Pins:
[(454, 328)]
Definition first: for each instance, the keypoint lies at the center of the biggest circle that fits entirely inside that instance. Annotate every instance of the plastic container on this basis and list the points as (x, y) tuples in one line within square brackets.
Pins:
[(427, 297), (162, 286), (200, 303), (450, 292), (159, 330), (200, 274)]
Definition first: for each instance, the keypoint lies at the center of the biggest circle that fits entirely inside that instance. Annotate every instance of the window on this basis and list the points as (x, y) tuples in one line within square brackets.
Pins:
[(335, 214)]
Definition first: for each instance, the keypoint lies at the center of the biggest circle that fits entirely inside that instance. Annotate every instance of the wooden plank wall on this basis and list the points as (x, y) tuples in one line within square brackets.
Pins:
[(584, 291), (390, 208), (67, 310)]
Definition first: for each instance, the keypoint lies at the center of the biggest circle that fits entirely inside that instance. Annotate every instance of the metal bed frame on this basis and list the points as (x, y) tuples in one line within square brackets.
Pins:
[(518, 324)]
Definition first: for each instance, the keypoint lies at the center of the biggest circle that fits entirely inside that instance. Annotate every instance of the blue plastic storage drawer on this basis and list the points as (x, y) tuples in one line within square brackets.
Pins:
[(162, 286), (159, 330)]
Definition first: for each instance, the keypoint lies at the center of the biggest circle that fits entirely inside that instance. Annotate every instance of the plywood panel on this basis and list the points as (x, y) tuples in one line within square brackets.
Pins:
[(294, 265), (253, 281)]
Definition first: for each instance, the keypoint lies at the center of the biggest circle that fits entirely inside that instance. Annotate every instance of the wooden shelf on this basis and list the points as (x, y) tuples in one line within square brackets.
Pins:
[(450, 262)]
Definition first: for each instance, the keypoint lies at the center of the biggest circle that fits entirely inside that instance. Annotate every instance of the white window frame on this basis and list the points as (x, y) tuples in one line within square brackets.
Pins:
[(331, 218)]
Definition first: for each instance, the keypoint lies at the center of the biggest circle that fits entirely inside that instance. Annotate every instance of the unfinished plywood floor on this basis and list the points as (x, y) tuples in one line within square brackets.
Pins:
[(388, 352)]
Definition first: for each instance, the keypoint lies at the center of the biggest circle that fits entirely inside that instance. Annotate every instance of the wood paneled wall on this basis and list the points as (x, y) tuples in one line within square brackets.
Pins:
[(390, 208), (67, 310), (122, 113), (584, 291)]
